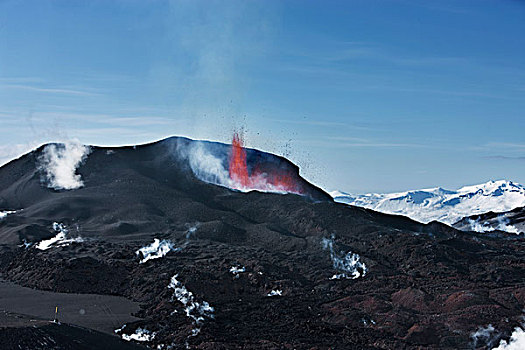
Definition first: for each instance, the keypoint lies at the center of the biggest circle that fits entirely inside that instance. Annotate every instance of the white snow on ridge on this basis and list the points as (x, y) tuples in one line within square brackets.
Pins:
[(155, 250), (60, 240), (442, 205), (59, 163)]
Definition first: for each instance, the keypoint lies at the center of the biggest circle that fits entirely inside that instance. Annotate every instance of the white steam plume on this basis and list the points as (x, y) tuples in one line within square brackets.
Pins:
[(206, 166), (3, 214), (141, 334), (155, 250), (486, 336), (197, 311), (516, 341), (476, 226), (503, 225), (483, 335), (213, 45), (349, 265), (60, 240), (59, 163)]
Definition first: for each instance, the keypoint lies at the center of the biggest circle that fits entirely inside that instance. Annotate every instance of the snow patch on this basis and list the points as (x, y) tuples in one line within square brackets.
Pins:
[(155, 250), (366, 322), (197, 311), (275, 293), (236, 270), (60, 240), (348, 264), (59, 163)]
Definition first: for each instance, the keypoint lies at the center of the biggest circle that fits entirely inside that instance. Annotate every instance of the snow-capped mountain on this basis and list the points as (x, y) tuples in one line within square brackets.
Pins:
[(440, 204)]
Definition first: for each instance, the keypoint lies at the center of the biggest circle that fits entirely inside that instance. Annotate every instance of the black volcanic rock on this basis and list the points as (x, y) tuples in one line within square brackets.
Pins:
[(263, 261), (60, 337)]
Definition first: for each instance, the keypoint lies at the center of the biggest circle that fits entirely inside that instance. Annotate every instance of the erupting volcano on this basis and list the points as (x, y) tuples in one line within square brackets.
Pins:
[(261, 176), (156, 240)]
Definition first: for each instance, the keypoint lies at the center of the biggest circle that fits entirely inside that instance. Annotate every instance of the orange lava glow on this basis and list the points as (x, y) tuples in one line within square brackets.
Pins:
[(238, 167), (274, 180)]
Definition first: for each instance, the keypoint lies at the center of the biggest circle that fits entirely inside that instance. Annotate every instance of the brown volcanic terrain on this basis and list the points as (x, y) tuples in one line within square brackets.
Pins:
[(425, 286)]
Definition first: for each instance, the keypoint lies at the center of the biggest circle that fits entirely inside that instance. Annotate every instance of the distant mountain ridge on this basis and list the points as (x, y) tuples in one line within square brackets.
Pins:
[(510, 221), (446, 206)]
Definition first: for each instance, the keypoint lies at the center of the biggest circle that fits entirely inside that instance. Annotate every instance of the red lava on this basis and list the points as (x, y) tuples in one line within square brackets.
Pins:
[(277, 180)]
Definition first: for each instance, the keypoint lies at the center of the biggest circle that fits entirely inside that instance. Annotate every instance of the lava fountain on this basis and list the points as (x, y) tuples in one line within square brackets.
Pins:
[(264, 176), (238, 166)]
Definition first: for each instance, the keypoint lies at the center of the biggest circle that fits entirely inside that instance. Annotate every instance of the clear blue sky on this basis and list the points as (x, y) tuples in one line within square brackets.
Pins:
[(363, 95)]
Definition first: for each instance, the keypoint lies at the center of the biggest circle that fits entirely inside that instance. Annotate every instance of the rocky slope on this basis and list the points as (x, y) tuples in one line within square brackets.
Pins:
[(220, 269)]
